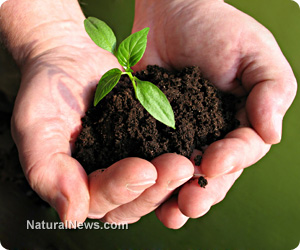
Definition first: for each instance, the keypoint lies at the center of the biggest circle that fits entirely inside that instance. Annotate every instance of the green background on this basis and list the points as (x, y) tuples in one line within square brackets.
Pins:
[(261, 211)]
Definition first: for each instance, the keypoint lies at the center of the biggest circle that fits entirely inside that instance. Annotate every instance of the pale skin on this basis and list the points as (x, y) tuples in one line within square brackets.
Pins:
[(61, 67)]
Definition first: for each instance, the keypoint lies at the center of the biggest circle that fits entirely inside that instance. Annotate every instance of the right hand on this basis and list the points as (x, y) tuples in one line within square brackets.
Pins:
[(239, 56)]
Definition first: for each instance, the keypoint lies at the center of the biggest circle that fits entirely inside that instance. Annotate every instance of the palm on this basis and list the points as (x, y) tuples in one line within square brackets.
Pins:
[(207, 35), (61, 88)]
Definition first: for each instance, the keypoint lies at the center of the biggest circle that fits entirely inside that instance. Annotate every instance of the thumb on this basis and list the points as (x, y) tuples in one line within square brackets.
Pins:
[(63, 183), (52, 172)]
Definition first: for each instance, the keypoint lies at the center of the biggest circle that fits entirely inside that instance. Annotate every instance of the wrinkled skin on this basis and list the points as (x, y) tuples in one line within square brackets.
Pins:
[(233, 51)]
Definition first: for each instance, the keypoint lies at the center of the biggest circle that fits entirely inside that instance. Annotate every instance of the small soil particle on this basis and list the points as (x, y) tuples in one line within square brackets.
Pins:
[(119, 127), (202, 182), (197, 160)]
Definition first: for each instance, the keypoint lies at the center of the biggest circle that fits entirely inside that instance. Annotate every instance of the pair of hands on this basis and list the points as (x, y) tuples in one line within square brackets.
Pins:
[(234, 51)]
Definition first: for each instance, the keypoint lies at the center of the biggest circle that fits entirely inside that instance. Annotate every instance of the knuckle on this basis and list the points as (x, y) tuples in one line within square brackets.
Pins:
[(114, 199), (151, 203), (35, 176), (293, 86)]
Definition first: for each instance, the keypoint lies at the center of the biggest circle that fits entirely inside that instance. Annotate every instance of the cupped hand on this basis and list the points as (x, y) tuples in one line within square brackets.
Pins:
[(56, 88), (239, 56), (59, 77)]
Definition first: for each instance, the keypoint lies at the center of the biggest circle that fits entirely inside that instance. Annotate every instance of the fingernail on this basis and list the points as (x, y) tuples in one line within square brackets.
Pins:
[(61, 205), (139, 187), (95, 216), (176, 183), (225, 172)]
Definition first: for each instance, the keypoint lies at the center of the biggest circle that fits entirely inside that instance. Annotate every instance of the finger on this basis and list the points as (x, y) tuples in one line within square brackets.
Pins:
[(266, 106), (170, 215), (194, 201), (267, 75), (239, 149), (173, 170), (119, 184)]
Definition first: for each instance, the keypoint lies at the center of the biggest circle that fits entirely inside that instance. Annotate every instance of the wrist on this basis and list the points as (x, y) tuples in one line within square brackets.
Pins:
[(30, 27)]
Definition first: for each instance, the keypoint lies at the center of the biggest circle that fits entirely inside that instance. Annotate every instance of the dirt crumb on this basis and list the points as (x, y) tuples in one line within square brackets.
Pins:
[(197, 160), (202, 182)]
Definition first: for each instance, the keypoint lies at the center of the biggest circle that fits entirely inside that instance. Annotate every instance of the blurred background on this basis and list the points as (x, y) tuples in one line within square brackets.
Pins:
[(261, 211)]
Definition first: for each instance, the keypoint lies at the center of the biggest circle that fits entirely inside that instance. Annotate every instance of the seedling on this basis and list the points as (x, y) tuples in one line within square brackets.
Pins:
[(129, 53)]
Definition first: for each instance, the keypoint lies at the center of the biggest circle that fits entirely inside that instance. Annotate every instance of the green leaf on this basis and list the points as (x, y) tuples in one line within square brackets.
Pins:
[(155, 102), (100, 33), (132, 49), (107, 82)]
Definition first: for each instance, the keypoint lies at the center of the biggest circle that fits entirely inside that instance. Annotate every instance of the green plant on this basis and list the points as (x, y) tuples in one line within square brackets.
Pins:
[(129, 53)]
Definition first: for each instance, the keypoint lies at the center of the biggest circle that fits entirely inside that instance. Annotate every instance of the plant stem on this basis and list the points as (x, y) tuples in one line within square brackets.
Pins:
[(133, 82)]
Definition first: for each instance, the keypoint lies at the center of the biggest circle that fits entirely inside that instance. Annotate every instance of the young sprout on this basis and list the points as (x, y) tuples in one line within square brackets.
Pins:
[(129, 53)]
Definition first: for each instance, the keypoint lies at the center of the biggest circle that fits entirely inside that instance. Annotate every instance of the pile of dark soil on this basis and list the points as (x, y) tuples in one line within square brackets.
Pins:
[(119, 127)]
